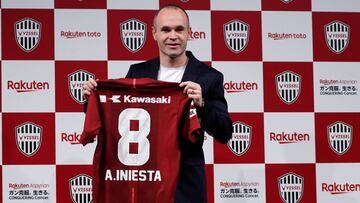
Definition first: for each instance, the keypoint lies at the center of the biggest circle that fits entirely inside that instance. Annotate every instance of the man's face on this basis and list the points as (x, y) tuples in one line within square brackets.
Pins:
[(171, 32)]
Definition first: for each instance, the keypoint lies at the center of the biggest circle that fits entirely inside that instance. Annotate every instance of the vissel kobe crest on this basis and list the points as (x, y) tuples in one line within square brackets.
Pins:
[(288, 86), (27, 34), (291, 187), (337, 36), (76, 82), (133, 34), (286, 1), (339, 137), (81, 189), (236, 34), (28, 138), (241, 138)]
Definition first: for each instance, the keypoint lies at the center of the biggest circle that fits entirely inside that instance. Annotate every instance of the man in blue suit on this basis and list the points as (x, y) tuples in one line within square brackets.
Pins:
[(201, 83)]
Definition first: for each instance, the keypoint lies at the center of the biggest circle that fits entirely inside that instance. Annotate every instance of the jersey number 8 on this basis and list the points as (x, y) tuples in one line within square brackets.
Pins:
[(138, 137)]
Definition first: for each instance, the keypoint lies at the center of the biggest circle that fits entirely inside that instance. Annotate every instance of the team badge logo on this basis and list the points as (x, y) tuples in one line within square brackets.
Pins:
[(291, 187), (81, 189), (241, 138), (133, 34), (27, 32), (337, 36), (76, 82), (236, 35), (288, 86), (340, 137), (286, 1), (28, 138)]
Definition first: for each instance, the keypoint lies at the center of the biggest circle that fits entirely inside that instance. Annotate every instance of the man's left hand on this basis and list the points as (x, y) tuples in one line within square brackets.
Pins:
[(193, 90)]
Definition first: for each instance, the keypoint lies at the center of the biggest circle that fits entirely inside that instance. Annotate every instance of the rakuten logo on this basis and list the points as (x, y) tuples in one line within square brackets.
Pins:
[(22, 86), (72, 138), (17, 186), (284, 36), (196, 35), (233, 87), (336, 188), (229, 184), (287, 138), (79, 34)]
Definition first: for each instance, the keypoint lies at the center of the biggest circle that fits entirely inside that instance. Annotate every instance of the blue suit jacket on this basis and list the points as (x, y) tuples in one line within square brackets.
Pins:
[(191, 187)]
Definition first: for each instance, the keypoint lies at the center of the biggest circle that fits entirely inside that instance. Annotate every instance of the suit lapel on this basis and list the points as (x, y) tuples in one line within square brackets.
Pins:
[(154, 69), (191, 73)]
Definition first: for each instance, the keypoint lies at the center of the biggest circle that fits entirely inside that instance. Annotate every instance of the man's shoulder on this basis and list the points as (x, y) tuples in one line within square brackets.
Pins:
[(145, 64), (204, 68)]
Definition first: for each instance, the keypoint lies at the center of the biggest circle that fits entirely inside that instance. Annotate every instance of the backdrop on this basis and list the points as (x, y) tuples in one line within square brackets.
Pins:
[(291, 78)]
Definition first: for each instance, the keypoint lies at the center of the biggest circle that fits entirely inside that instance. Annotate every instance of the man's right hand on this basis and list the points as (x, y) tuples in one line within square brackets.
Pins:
[(88, 87)]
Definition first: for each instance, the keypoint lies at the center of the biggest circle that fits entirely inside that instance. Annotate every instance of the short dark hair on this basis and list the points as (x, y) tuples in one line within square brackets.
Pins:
[(171, 6)]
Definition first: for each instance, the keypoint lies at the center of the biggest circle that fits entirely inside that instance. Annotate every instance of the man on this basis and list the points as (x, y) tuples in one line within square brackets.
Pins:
[(201, 83)]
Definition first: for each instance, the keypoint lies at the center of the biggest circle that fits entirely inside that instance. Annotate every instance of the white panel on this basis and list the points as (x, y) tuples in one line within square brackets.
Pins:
[(119, 69), (200, 43), (336, 5), (27, 4), (80, 34), (208, 148), (230, 181), (289, 137), (244, 5), (28, 86), (18, 178), (329, 76), (69, 127), (287, 36), (337, 182), (243, 83), (133, 4)]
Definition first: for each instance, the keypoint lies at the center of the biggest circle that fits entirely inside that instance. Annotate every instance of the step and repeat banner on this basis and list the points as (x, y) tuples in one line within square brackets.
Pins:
[(291, 78)]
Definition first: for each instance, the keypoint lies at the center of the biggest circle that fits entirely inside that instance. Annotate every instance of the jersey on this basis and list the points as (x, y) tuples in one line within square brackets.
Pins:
[(137, 124)]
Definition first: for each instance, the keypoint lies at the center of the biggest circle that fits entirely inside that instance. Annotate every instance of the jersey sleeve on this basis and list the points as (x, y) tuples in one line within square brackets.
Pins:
[(92, 122), (191, 129)]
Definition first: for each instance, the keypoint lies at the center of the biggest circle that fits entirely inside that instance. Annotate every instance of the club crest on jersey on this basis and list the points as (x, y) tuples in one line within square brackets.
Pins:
[(133, 34), (339, 137), (236, 34), (288, 86), (28, 138), (337, 36), (241, 138), (291, 187), (286, 1), (76, 82), (81, 189), (27, 34)]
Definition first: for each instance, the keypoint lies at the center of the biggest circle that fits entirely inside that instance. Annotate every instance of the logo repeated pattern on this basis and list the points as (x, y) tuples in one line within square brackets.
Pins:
[(241, 138), (340, 137), (76, 82), (291, 187), (337, 36), (286, 1), (133, 34), (81, 189), (236, 35), (288, 86), (28, 138), (28, 34)]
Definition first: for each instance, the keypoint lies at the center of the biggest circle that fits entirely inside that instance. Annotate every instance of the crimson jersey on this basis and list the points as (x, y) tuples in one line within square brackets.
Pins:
[(137, 123)]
